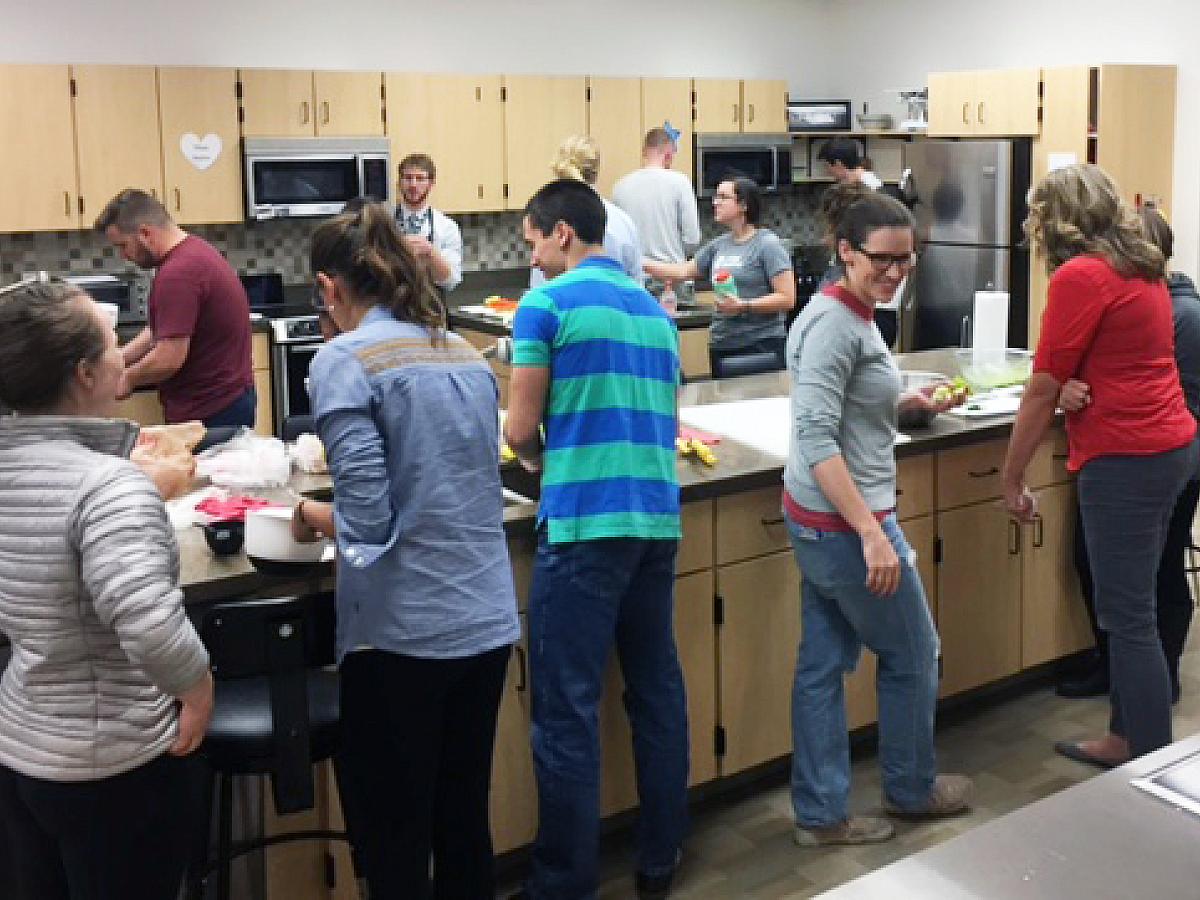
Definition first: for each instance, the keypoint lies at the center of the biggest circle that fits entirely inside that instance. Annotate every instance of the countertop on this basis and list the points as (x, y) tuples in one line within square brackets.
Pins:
[(1102, 840)]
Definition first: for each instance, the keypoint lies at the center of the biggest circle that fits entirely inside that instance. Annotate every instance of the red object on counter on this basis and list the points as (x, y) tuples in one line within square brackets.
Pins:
[(231, 509), (703, 437)]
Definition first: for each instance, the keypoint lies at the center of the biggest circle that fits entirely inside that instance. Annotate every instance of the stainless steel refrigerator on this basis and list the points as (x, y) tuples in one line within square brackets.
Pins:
[(969, 199)]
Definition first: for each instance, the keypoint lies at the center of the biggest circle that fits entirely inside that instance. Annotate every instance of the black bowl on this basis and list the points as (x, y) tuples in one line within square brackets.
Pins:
[(224, 538)]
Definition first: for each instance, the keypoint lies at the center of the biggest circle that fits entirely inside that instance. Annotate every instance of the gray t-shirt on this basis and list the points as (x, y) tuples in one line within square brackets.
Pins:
[(752, 265), (662, 205)]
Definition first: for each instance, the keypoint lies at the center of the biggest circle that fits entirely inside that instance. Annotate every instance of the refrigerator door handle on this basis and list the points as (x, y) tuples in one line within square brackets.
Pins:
[(964, 332)]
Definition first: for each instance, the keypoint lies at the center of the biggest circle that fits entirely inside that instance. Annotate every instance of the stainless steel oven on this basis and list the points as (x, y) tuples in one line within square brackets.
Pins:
[(294, 343)]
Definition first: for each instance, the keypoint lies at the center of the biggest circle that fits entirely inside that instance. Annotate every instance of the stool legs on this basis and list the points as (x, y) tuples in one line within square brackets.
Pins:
[(224, 835)]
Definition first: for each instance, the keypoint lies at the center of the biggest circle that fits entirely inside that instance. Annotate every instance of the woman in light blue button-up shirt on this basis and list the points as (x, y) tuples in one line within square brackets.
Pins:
[(426, 609)]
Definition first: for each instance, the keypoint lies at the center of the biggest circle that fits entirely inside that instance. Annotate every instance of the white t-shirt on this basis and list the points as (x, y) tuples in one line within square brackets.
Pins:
[(662, 204)]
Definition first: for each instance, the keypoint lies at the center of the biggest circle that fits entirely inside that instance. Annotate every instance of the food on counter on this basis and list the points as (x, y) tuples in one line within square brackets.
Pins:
[(957, 390), (696, 448), (500, 304), (164, 453), (506, 454)]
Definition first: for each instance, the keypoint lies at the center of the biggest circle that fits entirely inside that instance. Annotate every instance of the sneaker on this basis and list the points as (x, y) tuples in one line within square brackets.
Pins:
[(951, 795), (656, 887), (854, 830)]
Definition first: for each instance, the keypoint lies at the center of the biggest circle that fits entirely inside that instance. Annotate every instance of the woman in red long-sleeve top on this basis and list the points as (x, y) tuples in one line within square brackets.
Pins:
[(1108, 323)]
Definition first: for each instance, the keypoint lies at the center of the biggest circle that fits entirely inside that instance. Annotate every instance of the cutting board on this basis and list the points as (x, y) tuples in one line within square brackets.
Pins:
[(764, 424), (487, 312)]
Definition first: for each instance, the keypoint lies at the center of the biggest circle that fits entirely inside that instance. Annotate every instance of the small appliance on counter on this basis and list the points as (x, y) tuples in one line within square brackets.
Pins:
[(264, 291), (128, 292), (818, 115)]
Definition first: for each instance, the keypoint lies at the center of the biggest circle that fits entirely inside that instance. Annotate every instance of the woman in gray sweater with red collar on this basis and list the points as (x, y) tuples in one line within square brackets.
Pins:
[(108, 687)]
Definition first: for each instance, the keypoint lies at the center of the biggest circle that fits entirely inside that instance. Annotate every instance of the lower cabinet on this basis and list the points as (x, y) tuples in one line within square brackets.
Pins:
[(514, 791), (756, 647), (1054, 622)]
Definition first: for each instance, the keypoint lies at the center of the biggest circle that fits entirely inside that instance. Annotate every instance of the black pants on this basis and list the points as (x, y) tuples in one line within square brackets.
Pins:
[(239, 413), (119, 838), (417, 738), (1174, 602)]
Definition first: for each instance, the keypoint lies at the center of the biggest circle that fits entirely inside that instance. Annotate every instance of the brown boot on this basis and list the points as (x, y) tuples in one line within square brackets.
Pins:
[(951, 795), (854, 830)]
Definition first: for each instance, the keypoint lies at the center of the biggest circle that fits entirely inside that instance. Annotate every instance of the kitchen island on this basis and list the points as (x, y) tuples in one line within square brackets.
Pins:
[(1004, 595)]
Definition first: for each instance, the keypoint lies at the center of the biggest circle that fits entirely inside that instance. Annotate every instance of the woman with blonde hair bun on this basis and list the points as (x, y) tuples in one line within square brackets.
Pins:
[(579, 158), (1108, 324)]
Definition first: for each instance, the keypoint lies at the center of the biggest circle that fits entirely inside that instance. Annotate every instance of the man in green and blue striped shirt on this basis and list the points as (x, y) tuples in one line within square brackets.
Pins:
[(596, 368)]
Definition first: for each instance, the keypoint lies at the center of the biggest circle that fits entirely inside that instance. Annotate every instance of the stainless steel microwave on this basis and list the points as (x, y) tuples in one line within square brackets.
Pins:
[(290, 177), (765, 158), (128, 292)]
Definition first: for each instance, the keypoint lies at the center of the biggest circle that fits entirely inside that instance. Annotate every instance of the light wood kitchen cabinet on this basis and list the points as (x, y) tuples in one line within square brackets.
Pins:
[(693, 354), (481, 340), (514, 788), (142, 407), (202, 168), (756, 645), (37, 159), (996, 103), (260, 357), (116, 134), (750, 523), (539, 111), (618, 134), (304, 103), (718, 104), (1121, 117), (669, 100), (1054, 622), (764, 106), (459, 121)]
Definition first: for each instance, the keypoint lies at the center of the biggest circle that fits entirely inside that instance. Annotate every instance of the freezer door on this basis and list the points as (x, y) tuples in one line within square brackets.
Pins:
[(962, 190), (944, 285)]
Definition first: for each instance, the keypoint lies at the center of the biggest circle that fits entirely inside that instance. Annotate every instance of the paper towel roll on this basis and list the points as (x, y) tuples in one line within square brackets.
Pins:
[(989, 321)]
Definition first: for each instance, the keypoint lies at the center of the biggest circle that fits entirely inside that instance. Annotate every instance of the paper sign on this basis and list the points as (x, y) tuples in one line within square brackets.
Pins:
[(201, 152), (1060, 160)]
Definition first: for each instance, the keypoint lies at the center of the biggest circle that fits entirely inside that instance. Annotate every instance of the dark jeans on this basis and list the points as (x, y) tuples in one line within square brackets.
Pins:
[(585, 597), (1126, 502), (417, 738), (724, 363), (1174, 603), (239, 413), (119, 838)]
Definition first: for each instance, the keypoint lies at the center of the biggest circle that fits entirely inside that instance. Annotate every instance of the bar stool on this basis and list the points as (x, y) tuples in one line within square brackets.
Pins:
[(276, 712)]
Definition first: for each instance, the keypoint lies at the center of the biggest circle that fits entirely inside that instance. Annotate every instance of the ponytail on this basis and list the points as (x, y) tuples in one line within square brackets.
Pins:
[(366, 249)]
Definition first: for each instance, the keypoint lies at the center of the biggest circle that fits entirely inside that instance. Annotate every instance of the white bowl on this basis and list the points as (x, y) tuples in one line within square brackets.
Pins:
[(269, 537)]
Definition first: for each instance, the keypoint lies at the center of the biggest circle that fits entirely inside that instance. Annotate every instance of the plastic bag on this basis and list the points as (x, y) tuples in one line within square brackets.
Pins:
[(309, 454), (247, 460)]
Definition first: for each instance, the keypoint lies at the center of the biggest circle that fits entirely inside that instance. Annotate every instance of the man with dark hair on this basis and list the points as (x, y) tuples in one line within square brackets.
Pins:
[(196, 345), (661, 202), (433, 236), (596, 365), (846, 162)]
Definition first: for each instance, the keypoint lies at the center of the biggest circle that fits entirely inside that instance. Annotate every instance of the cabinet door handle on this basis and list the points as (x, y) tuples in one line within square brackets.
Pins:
[(980, 112), (325, 112), (778, 520), (522, 672), (966, 113), (1063, 456), (1014, 537), (735, 112), (987, 473), (751, 110), (481, 192), (178, 200), (304, 112), (66, 203), (1039, 530)]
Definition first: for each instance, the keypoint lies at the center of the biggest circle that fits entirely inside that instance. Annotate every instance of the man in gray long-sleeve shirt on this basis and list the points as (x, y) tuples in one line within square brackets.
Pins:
[(660, 201)]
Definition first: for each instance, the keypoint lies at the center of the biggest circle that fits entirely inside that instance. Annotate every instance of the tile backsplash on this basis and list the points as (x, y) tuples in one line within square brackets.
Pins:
[(490, 241)]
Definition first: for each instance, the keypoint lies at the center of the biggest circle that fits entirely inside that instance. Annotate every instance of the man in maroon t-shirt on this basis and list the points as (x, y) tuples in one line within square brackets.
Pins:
[(196, 347)]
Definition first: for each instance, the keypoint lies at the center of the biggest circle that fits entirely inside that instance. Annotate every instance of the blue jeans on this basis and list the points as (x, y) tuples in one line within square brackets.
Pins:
[(1126, 504), (838, 616), (238, 413), (585, 597)]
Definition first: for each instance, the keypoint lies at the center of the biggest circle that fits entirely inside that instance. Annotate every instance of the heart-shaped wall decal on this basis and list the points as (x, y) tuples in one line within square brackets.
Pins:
[(201, 152)]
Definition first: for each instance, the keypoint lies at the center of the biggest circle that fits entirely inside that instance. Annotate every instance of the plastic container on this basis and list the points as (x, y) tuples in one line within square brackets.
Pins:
[(915, 381), (986, 370), (724, 284)]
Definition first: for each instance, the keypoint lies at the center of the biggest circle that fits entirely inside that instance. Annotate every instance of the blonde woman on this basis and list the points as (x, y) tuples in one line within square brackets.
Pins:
[(578, 158), (1108, 324)]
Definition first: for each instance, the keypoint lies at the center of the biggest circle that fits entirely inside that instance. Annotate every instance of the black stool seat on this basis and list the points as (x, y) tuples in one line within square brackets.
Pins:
[(241, 735), (746, 364)]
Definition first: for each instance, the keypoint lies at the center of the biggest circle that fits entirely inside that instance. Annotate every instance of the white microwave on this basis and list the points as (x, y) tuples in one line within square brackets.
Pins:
[(764, 158), (289, 177)]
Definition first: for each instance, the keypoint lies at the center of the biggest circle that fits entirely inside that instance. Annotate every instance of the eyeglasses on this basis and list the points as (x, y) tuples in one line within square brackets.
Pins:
[(884, 261), (717, 197), (415, 176)]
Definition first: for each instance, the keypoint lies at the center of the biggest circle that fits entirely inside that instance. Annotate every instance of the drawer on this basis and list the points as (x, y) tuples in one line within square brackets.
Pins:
[(914, 486), (260, 351), (696, 548), (1049, 464), (750, 524), (970, 474)]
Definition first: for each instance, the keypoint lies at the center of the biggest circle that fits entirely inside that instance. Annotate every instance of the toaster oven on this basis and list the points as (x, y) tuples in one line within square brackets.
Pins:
[(128, 292)]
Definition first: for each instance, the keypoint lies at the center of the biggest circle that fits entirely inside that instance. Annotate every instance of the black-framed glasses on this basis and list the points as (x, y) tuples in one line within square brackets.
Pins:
[(884, 261)]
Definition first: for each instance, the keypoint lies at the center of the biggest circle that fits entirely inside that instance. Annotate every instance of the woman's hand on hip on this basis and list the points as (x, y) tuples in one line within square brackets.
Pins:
[(883, 565), (195, 709)]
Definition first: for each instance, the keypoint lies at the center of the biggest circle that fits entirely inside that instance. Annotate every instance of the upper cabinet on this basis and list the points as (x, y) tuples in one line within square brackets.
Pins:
[(459, 121), (725, 105), (985, 104), (37, 154), (615, 124), (669, 101), (202, 172), (538, 113), (301, 103), (117, 134)]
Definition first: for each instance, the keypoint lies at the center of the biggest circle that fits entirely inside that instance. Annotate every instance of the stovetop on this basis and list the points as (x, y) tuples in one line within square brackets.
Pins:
[(295, 329)]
